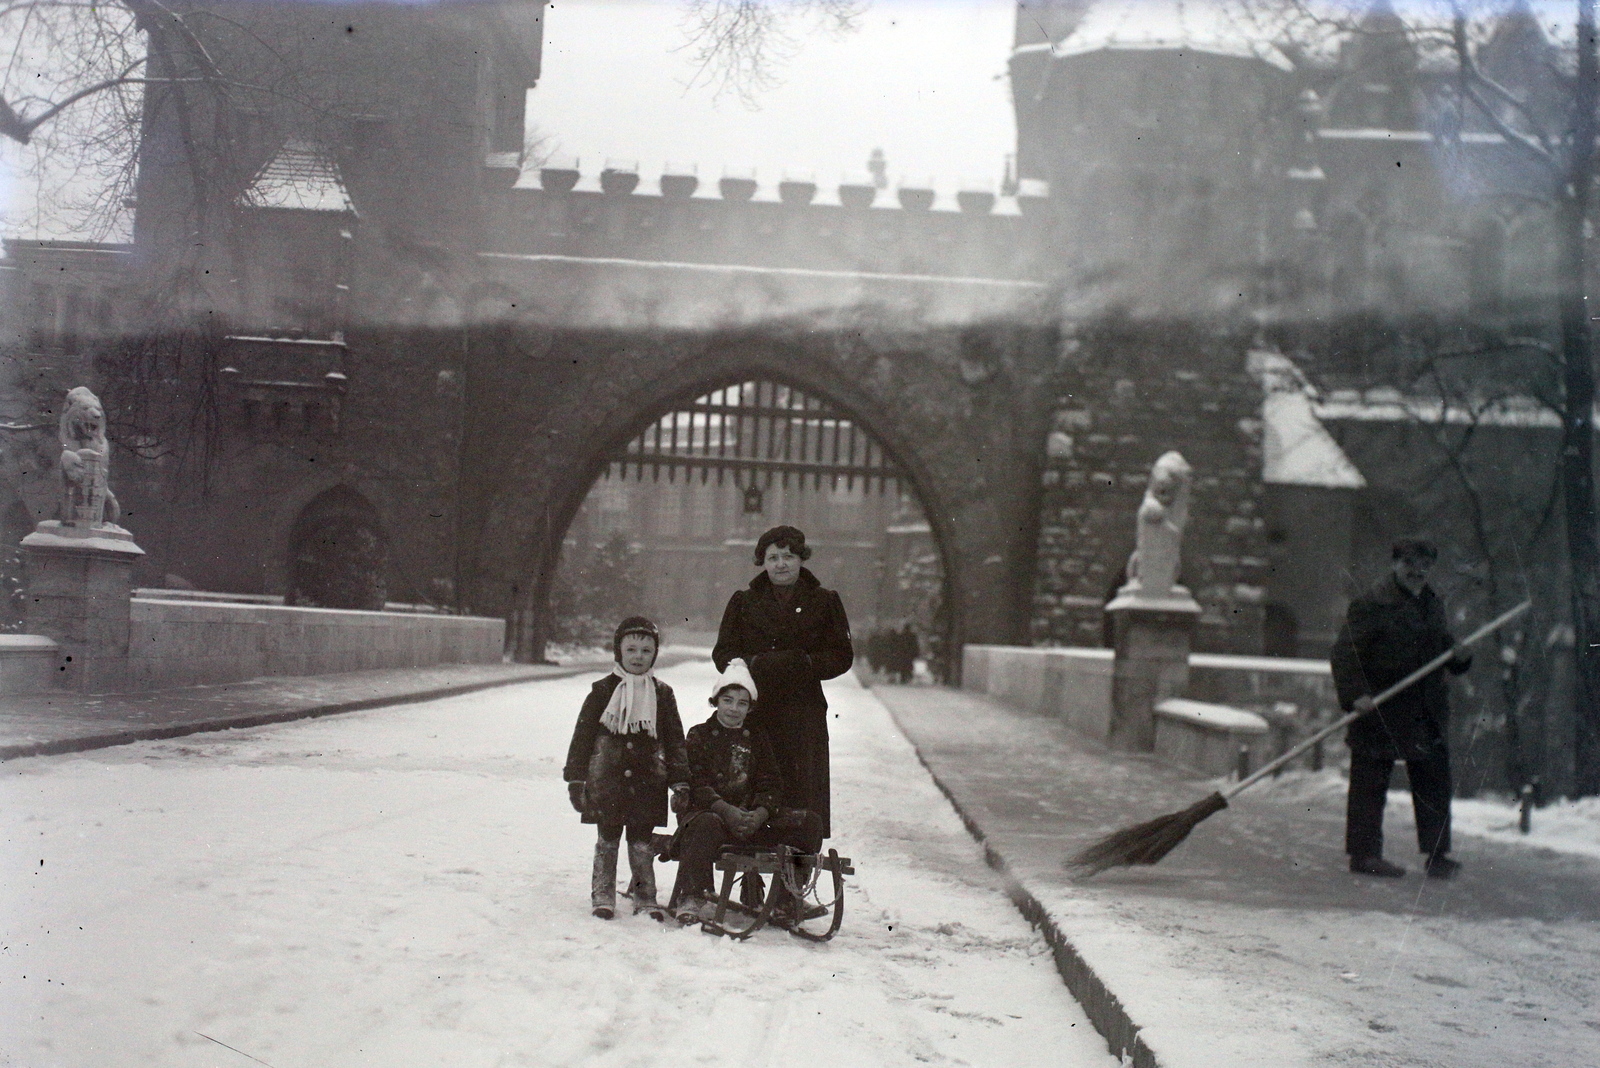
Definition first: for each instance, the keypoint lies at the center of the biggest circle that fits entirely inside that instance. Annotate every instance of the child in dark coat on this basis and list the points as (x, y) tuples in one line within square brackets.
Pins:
[(735, 796), (626, 749)]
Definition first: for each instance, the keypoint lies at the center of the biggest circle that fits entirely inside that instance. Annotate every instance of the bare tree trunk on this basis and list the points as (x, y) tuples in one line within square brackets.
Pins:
[(1577, 444)]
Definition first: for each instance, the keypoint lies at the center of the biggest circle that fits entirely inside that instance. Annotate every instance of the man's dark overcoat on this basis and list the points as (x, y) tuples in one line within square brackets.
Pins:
[(626, 776), (1389, 633), (790, 648)]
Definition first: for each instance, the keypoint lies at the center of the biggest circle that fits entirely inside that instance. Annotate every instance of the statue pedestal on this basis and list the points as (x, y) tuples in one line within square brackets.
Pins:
[(80, 580), (1153, 637)]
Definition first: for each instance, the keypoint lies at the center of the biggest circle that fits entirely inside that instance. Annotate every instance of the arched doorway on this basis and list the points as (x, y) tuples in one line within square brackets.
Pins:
[(669, 526), (338, 554)]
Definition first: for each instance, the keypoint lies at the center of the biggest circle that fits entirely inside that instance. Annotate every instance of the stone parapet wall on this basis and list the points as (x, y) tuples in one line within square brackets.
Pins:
[(1206, 738), (28, 663), (1264, 681), (1075, 684), (1130, 392), (185, 643), (816, 236)]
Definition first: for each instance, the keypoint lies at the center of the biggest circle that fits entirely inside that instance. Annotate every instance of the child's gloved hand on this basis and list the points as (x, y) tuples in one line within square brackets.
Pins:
[(575, 791), (680, 798), (749, 823), (737, 820)]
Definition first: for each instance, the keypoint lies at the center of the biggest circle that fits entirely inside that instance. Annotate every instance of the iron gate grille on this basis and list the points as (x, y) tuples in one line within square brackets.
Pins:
[(757, 433)]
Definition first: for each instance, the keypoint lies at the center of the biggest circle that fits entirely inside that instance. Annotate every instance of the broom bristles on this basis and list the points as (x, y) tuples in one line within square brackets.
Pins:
[(1148, 842)]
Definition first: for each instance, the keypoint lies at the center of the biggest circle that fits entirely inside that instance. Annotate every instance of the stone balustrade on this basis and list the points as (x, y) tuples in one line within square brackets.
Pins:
[(1207, 738), (1291, 695), (186, 643)]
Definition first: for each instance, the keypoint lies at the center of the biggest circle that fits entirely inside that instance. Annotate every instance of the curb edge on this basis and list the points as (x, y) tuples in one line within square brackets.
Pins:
[(1104, 1009), (85, 743)]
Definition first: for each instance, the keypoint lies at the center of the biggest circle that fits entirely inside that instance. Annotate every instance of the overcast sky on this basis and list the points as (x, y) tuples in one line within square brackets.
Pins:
[(922, 79)]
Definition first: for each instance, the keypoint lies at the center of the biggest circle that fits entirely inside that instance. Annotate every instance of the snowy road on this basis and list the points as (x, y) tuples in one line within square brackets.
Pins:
[(408, 887)]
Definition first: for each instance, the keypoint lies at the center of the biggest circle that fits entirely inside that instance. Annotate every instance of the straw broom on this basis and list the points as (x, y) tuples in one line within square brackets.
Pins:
[(1148, 842)]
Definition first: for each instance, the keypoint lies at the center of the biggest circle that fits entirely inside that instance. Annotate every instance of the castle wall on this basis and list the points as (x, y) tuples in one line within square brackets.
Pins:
[(217, 512), (885, 238), (1165, 171), (1130, 393), (962, 410)]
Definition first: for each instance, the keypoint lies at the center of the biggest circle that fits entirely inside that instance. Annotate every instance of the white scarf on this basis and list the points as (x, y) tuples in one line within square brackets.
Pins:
[(633, 704)]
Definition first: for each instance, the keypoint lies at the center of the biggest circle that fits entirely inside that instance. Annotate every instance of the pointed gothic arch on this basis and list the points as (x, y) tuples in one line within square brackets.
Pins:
[(695, 486)]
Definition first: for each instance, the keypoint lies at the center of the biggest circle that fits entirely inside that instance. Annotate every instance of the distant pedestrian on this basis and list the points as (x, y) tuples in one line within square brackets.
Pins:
[(877, 645), (1389, 632), (626, 748), (906, 651)]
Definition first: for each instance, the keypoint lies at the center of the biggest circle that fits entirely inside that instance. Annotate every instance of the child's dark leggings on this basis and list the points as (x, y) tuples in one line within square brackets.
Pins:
[(612, 833)]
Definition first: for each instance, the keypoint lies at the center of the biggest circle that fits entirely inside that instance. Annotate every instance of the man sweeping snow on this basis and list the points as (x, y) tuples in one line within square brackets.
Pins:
[(1390, 631)]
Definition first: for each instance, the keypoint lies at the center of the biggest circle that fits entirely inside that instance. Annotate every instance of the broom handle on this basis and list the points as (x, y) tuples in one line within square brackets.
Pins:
[(1422, 672)]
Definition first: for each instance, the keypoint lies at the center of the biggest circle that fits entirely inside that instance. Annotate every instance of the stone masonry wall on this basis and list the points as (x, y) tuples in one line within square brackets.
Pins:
[(1130, 392)]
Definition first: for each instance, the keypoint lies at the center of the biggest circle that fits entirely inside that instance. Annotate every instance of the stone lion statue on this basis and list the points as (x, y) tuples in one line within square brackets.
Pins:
[(86, 497), (1164, 512)]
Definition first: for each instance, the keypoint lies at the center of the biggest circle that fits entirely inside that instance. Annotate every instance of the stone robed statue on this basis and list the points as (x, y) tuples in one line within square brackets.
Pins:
[(1158, 533)]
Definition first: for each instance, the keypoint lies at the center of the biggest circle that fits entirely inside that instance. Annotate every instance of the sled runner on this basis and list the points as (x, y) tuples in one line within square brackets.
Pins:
[(787, 869)]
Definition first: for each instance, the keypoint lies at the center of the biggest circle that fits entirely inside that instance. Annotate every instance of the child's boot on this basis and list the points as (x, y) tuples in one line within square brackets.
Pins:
[(603, 881), (642, 888)]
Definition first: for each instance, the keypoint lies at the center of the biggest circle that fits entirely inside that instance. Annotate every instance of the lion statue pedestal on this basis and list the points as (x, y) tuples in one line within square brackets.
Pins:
[(80, 567), (1153, 617)]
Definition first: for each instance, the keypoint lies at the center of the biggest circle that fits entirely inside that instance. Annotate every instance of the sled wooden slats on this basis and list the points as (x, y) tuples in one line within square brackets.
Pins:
[(771, 865)]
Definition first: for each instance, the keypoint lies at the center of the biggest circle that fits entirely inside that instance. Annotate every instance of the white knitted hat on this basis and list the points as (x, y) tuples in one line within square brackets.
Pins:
[(736, 675)]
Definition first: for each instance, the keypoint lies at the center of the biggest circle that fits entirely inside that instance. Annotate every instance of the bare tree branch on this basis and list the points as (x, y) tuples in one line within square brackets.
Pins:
[(739, 45), (21, 129), (1471, 78)]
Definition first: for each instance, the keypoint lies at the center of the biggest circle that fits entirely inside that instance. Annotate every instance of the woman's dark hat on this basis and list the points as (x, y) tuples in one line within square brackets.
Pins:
[(791, 538), (634, 625)]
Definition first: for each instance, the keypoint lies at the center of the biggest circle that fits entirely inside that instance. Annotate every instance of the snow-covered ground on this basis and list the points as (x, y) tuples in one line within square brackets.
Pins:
[(408, 887), (1562, 826), (1225, 984)]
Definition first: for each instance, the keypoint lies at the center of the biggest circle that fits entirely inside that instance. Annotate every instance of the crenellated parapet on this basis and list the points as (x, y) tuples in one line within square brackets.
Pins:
[(793, 225)]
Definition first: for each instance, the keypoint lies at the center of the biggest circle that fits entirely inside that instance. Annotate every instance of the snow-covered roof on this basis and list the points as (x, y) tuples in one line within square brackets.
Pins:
[(1205, 26), (301, 177), (1314, 31), (1296, 448), (1390, 406)]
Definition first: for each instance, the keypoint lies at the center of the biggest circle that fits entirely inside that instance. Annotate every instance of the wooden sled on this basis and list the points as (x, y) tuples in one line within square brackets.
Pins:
[(782, 867)]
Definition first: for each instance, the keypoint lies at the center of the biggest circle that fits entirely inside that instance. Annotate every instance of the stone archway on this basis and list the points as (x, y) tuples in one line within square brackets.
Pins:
[(963, 410), (668, 528), (338, 554)]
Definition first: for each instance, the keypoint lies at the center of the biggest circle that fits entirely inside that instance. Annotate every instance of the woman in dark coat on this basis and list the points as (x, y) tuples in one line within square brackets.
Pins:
[(793, 634)]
